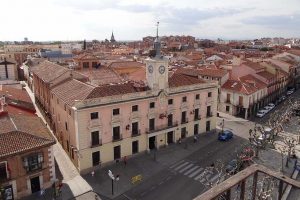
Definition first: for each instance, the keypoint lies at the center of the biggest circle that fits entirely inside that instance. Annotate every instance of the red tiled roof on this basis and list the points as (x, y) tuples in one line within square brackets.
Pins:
[(295, 52), (138, 75), (203, 72), (72, 90), (14, 93), (22, 133), (253, 65), (125, 64), (17, 98), (48, 71), (111, 90), (86, 56), (254, 82), (102, 75), (178, 80), (246, 85), (265, 74)]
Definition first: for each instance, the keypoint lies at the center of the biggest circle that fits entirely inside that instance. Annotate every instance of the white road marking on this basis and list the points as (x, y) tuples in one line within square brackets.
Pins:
[(199, 176), (172, 166), (180, 166), (196, 172), (191, 170), (187, 167)]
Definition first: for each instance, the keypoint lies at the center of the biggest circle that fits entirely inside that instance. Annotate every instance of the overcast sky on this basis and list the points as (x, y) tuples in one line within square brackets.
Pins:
[(133, 19)]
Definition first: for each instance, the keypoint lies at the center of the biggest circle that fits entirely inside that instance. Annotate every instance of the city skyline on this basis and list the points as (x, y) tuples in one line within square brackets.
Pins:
[(132, 20)]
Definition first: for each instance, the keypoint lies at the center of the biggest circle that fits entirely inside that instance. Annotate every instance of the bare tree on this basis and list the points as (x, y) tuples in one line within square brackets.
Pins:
[(290, 144)]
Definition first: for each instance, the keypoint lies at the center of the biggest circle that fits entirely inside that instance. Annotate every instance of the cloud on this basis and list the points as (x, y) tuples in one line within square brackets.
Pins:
[(275, 21)]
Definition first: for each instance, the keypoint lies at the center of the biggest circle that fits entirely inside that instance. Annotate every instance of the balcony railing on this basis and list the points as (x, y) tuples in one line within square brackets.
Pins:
[(135, 133), (116, 138), (162, 127), (184, 120), (96, 143), (209, 114), (94, 123), (197, 117), (227, 101)]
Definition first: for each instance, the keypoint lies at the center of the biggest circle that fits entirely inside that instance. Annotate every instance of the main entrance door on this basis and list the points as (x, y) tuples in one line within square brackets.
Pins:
[(117, 152), (96, 158), (170, 137), (152, 142), (35, 184), (196, 129)]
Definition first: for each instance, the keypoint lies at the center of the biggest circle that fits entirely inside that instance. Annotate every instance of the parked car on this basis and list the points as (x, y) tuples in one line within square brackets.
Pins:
[(260, 113), (225, 135), (289, 92), (271, 105), (267, 109)]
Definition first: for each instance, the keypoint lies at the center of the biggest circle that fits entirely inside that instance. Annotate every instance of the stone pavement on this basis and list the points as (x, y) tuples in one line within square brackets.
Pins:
[(144, 164), (75, 184)]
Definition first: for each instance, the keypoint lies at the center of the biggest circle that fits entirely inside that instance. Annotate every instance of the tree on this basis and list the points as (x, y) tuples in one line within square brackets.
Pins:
[(290, 144), (259, 138)]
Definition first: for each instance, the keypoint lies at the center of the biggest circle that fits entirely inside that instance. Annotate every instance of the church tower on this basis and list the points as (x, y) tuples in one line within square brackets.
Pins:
[(157, 67), (112, 38)]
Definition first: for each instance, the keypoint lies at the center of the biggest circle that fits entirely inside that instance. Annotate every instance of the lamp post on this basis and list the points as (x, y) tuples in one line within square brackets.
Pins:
[(113, 178)]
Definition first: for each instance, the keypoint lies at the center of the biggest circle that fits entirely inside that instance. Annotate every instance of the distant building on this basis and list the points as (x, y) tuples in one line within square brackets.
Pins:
[(112, 38)]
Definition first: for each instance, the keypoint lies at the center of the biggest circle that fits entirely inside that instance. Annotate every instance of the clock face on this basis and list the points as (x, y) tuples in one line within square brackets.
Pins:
[(162, 69), (150, 69)]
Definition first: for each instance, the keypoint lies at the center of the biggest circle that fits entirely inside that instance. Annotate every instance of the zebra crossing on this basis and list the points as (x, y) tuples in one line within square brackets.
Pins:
[(193, 171)]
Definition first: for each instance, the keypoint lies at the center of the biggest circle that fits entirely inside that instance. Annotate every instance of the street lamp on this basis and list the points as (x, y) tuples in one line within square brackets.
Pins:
[(113, 178)]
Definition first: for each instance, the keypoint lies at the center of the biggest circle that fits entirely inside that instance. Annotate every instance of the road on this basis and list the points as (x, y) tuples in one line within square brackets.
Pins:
[(184, 179)]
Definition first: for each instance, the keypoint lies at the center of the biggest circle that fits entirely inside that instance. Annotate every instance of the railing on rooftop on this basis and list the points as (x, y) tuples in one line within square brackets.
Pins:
[(250, 185)]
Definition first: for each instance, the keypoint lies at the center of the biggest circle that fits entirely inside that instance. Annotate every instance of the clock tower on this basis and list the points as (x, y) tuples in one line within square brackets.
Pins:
[(157, 67)]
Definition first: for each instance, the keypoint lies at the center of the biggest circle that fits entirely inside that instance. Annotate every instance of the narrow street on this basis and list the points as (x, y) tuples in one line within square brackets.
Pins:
[(74, 184)]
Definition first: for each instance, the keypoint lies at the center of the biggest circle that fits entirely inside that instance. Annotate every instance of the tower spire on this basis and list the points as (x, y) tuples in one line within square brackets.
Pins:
[(157, 29), (157, 42)]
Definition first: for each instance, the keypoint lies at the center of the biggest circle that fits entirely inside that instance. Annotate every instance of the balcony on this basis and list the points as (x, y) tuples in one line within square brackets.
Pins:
[(162, 127), (227, 101), (184, 120), (94, 123), (197, 117), (96, 143), (184, 105), (197, 103), (117, 137), (135, 133), (116, 118), (209, 114)]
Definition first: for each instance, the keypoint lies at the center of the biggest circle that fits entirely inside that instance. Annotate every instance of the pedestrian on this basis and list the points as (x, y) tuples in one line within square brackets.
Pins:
[(125, 160), (179, 141), (195, 139)]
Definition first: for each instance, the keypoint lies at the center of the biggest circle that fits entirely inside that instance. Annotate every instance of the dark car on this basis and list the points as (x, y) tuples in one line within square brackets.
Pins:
[(233, 167), (225, 135)]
